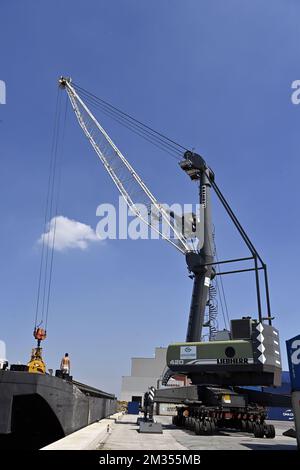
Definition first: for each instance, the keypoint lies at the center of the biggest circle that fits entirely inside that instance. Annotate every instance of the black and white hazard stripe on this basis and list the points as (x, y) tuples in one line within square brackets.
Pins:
[(151, 393)]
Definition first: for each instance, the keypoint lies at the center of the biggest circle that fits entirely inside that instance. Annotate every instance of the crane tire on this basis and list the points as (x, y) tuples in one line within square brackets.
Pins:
[(258, 430), (269, 431)]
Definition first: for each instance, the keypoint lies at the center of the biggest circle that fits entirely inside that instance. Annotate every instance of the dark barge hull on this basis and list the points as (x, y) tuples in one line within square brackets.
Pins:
[(49, 406)]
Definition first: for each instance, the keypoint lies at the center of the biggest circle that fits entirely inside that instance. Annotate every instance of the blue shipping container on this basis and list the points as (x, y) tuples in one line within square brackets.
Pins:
[(280, 414), (133, 407), (274, 412)]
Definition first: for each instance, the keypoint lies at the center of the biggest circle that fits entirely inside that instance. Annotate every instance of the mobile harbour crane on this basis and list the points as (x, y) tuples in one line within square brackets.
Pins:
[(249, 355)]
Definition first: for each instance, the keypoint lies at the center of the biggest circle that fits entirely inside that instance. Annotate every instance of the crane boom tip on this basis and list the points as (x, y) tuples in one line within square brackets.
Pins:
[(63, 81)]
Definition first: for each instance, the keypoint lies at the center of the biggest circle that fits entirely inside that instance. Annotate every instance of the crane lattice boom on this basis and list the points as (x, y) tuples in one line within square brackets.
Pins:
[(129, 183)]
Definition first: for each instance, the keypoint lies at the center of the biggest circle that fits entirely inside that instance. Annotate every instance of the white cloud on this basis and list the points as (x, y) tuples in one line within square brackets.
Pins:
[(68, 234)]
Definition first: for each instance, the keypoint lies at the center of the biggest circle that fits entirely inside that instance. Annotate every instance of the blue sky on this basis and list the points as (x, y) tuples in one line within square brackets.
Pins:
[(215, 76)]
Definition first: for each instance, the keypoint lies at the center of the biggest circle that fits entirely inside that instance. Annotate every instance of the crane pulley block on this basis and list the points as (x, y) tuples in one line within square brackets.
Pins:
[(194, 165), (39, 334)]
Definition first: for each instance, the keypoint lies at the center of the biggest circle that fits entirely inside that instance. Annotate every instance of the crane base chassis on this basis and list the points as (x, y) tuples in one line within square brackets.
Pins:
[(205, 420), (206, 409)]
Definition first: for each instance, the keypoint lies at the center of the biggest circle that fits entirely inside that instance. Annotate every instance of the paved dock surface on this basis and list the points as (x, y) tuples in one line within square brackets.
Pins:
[(125, 436)]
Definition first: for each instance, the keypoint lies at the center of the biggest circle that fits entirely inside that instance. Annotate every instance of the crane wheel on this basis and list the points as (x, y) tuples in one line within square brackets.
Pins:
[(243, 425), (207, 427), (201, 428), (269, 431), (258, 430), (250, 426), (213, 427), (192, 424), (198, 427)]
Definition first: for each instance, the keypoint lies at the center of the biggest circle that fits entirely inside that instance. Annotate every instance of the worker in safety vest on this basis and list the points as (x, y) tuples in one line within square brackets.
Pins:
[(65, 364)]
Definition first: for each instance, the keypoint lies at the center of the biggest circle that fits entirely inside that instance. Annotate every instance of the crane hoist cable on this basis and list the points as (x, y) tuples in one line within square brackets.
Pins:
[(131, 186), (49, 232), (39, 301), (133, 121), (59, 171), (136, 130), (36, 363)]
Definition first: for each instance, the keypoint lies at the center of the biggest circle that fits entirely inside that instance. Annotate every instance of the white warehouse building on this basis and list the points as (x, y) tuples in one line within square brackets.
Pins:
[(148, 372), (145, 372)]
